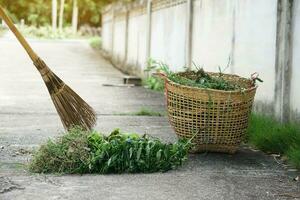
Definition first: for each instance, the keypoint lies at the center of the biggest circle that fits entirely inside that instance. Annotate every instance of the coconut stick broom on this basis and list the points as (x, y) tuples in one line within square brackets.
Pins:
[(72, 109)]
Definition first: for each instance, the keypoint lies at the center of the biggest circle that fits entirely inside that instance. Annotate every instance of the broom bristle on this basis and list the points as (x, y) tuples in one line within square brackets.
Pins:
[(71, 108)]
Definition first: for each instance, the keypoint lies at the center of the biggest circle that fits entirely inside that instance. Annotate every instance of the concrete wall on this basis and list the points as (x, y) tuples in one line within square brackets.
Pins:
[(254, 35), (295, 80), (119, 39), (136, 57), (168, 34), (255, 42), (228, 29), (212, 33), (107, 22)]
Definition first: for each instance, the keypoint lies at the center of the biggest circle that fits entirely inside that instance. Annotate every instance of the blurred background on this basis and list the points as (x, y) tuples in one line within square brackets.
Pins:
[(57, 18)]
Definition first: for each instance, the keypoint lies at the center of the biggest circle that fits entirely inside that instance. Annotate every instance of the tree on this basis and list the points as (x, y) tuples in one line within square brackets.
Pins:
[(61, 14), (75, 16), (41, 12), (54, 15)]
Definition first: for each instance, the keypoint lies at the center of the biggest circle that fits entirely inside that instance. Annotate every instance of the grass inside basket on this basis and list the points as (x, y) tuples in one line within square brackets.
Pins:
[(201, 79)]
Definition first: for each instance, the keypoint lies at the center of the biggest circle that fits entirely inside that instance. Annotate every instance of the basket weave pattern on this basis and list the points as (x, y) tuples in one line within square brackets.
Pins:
[(220, 118)]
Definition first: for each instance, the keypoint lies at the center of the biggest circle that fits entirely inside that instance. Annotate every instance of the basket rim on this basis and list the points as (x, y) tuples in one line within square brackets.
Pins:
[(215, 90)]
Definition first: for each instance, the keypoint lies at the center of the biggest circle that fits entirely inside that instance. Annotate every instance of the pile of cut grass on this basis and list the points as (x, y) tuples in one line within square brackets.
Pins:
[(270, 136), (90, 152)]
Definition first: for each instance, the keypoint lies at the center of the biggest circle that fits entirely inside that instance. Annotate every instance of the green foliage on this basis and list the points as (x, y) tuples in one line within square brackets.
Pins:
[(46, 32), (198, 78), (95, 42), (154, 83), (293, 155), (38, 12), (131, 153), (151, 82), (34, 12), (92, 152), (270, 136)]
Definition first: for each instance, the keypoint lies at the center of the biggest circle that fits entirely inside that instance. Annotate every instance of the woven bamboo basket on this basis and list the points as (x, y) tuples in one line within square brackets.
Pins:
[(217, 119)]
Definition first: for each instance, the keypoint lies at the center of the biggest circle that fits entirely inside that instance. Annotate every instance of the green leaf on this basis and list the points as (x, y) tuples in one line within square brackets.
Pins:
[(108, 162), (158, 155), (138, 155), (130, 152)]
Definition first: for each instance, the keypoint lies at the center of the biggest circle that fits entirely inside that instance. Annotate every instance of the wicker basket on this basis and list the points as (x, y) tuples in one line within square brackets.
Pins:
[(218, 118)]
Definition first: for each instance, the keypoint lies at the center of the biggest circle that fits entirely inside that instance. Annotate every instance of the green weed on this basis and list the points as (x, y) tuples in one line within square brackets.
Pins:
[(154, 83), (91, 152), (270, 136), (95, 43), (293, 155)]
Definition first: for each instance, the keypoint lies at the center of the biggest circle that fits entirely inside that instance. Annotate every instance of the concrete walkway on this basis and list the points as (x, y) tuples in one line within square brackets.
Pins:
[(28, 118)]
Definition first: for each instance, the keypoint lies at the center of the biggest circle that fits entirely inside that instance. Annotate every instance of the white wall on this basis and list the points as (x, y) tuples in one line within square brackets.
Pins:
[(119, 39), (212, 33), (295, 81), (168, 33), (255, 43), (137, 41), (244, 30), (107, 32)]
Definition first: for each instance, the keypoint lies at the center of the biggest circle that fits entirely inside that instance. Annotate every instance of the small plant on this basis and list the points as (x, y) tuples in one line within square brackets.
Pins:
[(154, 83), (95, 43), (91, 152), (270, 136), (151, 82)]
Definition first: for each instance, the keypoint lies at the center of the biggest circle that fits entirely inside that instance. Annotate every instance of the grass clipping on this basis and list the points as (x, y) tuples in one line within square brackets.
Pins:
[(81, 152)]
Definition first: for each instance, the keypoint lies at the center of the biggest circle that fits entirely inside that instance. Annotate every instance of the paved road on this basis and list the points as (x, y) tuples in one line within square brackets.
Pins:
[(28, 118)]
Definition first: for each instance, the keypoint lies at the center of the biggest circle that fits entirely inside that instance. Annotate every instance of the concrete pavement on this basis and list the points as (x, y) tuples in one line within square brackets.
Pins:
[(28, 118)]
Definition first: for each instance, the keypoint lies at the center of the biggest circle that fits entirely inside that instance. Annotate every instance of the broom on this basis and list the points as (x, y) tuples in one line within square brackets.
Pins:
[(72, 109)]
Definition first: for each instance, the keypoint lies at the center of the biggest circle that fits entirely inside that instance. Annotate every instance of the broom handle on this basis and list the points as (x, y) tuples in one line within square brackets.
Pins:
[(18, 35)]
